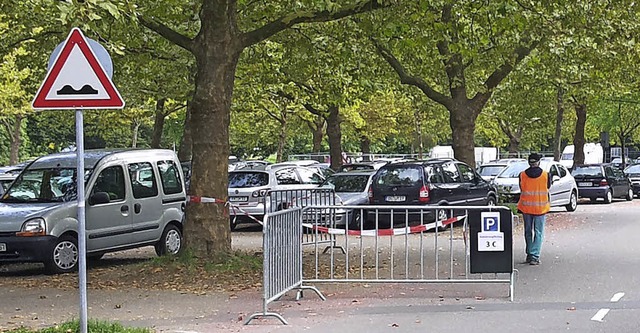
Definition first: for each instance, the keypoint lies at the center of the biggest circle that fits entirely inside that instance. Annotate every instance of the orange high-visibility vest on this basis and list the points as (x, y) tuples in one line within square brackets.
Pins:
[(534, 195)]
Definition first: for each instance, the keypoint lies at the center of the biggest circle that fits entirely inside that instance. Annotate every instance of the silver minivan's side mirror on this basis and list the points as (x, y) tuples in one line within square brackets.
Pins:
[(99, 198)]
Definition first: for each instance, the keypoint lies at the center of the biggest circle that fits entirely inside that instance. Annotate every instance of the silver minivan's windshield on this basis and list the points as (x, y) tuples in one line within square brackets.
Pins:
[(43, 185)]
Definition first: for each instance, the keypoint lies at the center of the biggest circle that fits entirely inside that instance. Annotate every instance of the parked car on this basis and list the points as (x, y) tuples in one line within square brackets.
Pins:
[(135, 198), (437, 181), (248, 188), (633, 172), (350, 189), (362, 166), (563, 191), (617, 162), (602, 181), (491, 169)]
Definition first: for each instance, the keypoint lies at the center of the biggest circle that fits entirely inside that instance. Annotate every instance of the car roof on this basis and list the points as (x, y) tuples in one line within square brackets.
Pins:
[(92, 157), (355, 173)]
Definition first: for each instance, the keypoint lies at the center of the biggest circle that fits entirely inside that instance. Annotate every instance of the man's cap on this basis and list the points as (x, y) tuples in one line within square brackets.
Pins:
[(534, 158)]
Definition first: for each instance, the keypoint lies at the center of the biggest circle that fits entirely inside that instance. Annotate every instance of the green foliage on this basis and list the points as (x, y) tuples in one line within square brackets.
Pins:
[(93, 326)]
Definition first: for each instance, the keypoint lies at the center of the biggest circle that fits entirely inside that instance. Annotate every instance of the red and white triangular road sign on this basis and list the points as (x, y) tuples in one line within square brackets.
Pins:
[(76, 80)]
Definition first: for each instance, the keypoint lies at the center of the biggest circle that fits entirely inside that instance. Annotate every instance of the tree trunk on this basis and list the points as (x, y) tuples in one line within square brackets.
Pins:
[(557, 136), (365, 147), (158, 123), (135, 130), (334, 135), (578, 138), (514, 146), (207, 232), (184, 152), (462, 120), (282, 137), (318, 134), (420, 145), (16, 140)]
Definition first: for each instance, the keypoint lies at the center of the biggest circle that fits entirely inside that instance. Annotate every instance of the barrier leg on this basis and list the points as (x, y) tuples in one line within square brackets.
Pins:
[(512, 282), (266, 314), (301, 289)]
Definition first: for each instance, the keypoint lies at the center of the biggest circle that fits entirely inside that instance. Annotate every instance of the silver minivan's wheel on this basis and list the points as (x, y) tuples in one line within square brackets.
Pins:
[(629, 196), (171, 241), (64, 256), (573, 202)]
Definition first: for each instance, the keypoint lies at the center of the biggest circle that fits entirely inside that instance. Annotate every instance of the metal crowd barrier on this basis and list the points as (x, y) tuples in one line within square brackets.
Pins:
[(405, 244), (282, 263), (320, 197)]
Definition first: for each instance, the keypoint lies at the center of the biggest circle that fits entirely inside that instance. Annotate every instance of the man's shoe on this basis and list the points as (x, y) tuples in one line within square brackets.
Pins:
[(534, 262), (527, 261)]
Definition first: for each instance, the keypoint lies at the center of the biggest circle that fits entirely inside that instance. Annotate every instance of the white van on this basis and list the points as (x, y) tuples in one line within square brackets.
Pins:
[(135, 198), (593, 154)]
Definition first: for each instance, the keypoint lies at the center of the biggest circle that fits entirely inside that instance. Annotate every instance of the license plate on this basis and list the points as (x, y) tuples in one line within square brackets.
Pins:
[(238, 199), (395, 198), (3, 247), (585, 184)]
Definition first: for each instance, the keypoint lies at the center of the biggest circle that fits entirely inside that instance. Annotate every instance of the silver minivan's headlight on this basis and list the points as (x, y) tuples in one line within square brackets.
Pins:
[(33, 227)]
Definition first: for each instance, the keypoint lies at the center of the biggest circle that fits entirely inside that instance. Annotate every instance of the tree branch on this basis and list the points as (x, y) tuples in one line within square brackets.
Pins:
[(409, 79), (287, 21), (28, 38), (168, 33)]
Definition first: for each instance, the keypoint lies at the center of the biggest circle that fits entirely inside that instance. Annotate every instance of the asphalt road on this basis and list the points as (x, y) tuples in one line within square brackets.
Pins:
[(587, 282)]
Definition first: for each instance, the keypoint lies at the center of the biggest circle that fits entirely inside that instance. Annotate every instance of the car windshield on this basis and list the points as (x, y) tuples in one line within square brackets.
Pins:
[(490, 170), (44, 185), (399, 176), (513, 170), (347, 183), (248, 179), (583, 171), (633, 169)]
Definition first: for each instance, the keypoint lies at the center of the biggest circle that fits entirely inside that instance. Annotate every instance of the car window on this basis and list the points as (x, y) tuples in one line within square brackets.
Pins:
[(490, 170), (434, 174), (111, 181), (553, 171), (309, 176), (248, 179), (287, 176), (633, 169), (587, 171), (609, 172), (563, 170), (143, 180), (170, 177), (400, 176), (450, 173), (467, 174), (513, 170), (347, 183)]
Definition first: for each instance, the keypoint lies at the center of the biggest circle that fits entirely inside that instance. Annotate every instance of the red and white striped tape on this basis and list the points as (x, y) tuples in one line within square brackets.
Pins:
[(385, 232)]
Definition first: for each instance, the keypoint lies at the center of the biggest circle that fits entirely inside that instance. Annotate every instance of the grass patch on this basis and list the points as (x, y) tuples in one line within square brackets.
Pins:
[(93, 326), (238, 261)]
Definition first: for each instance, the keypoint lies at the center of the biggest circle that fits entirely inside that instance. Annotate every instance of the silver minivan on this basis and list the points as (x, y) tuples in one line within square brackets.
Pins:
[(134, 198)]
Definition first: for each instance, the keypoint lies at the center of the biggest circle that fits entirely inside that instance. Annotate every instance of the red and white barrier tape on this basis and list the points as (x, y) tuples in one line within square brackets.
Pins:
[(385, 232)]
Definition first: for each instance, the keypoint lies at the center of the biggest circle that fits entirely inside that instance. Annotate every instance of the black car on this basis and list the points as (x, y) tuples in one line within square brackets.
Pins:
[(602, 181), (633, 172), (440, 182)]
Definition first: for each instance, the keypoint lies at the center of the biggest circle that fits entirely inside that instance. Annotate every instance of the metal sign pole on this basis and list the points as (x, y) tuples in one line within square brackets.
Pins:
[(82, 244)]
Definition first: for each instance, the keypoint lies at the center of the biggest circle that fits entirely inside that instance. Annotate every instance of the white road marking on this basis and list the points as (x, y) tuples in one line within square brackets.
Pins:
[(617, 297), (600, 315)]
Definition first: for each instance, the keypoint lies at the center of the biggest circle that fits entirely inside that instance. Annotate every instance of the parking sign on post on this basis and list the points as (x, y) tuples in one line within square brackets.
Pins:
[(491, 241), (76, 80)]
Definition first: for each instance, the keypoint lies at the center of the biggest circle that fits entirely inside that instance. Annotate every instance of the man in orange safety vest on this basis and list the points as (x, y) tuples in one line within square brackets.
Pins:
[(534, 205)]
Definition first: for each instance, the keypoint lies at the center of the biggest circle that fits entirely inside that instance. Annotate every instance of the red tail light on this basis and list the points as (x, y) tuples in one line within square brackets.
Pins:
[(370, 195), (424, 194), (603, 182)]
